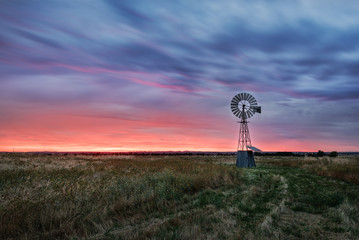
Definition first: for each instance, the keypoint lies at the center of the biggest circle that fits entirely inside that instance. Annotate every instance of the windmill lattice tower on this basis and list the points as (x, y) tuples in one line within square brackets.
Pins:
[(244, 106)]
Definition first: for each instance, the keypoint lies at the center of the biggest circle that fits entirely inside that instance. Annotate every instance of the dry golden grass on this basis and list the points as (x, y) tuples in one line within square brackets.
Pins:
[(53, 196), (175, 197)]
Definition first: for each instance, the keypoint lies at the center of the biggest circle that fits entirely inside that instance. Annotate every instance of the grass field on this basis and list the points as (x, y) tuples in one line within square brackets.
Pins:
[(177, 197)]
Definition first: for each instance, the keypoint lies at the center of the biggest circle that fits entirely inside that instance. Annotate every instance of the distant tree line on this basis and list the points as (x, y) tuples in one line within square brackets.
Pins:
[(159, 153), (320, 153), (284, 154)]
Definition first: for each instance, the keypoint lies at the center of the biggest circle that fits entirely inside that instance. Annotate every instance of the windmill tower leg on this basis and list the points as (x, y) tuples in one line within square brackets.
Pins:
[(245, 156)]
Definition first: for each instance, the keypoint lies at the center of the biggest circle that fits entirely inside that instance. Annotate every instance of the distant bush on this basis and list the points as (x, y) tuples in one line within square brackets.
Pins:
[(320, 153), (333, 154)]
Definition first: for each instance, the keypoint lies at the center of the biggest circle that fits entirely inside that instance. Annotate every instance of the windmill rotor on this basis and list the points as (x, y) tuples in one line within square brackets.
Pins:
[(244, 105)]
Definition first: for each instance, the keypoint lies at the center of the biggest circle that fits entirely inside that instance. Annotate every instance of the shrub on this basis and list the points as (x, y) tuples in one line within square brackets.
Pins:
[(333, 154), (320, 153)]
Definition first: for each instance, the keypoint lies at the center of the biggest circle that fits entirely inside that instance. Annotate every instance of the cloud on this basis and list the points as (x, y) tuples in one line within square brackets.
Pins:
[(184, 58), (39, 39)]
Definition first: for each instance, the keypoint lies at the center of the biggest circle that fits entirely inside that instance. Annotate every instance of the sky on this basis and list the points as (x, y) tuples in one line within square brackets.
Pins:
[(160, 75)]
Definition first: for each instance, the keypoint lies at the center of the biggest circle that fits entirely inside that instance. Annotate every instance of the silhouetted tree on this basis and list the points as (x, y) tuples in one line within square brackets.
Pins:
[(320, 153), (333, 154)]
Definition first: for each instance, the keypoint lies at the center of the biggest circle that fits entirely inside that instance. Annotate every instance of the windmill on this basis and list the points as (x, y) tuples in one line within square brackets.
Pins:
[(244, 106)]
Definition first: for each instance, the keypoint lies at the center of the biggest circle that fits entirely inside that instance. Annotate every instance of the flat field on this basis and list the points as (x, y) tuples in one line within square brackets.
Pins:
[(177, 197)]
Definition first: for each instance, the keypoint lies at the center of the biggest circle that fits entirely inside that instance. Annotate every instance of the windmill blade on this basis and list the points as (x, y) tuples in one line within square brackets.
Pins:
[(240, 96), (251, 113), (234, 105), (252, 101), (236, 99), (245, 96), (234, 108), (250, 97), (235, 111)]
